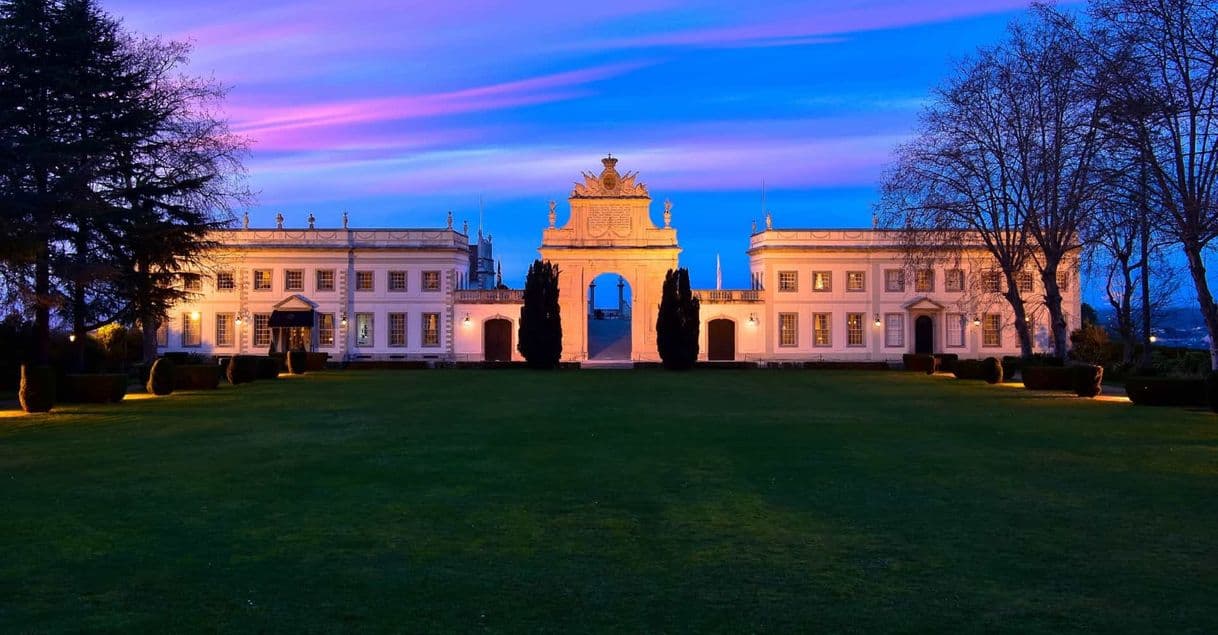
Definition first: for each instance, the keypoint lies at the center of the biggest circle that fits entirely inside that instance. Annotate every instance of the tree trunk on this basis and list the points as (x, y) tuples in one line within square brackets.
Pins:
[(1196, 267), (1053, 303), (148, 328), (1021, 316), (1144, 239), (42, 306)]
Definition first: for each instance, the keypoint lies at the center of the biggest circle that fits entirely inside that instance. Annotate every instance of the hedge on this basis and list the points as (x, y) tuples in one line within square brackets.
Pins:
[(196, 377), (37, 390), (1166, 391), (1048, 378), (1088, 380), (298, 362), (241, 369), (988, 369), (922, 363), (268, 367), (947, 361), (317, 361), (160, 379), (107, 388)]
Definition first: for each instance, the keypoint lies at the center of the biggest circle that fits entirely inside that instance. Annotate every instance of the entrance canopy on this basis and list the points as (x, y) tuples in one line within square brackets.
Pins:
[(291, 319)]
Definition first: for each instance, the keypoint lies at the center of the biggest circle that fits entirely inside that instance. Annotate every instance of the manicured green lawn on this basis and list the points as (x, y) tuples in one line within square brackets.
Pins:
[(732, 501)]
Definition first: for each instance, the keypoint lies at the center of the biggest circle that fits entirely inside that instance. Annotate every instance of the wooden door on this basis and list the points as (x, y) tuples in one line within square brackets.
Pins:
[(721, 340), (497, 340)]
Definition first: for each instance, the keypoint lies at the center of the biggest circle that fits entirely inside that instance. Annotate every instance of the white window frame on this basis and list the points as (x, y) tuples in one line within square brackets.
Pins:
[(785, 330), (360, 277), (428, 286), (891, 276), (924, 281), (430, 336), (851, 331), (398, 320), (365, 330), (325, 329), (956, 324), (788, 281), (224, 330), (192, 327), (991, 324), (405, 281), (862, 281), (317, 280), (287, 280), (269, 279), (822, 324), (953, 280), (826, 277), (262, 334), (894, 330)]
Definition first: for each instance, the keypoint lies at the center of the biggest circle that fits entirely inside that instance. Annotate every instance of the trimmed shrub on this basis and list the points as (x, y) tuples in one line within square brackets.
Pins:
[(108, 388), (947, 361), (197, 377), (317, 361), (1211, 390), (241, 369), (921, 363), (1048, 378), (268, 367), (1166, 391), (37, 390), (968, 369), (298, 362), (1088, 380), (991, 370), (161, 378)]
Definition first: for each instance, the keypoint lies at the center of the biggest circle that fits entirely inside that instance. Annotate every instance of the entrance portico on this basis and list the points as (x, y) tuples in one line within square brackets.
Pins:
[(926, 316)]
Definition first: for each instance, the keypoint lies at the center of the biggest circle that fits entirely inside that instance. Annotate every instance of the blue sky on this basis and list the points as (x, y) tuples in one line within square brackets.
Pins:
[(398, 112)]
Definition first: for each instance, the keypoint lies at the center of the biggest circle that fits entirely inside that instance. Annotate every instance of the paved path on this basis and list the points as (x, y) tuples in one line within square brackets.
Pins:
[(608, 339)]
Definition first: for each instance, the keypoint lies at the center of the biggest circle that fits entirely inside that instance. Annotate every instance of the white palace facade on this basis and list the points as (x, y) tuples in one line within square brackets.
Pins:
[(429, 294)]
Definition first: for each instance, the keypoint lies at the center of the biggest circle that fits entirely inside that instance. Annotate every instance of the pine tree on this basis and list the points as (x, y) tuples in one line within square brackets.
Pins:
[(678, 324), (540, 336)]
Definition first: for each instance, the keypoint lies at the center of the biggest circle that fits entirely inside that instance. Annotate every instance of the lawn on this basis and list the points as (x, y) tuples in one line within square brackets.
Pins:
[(732, 501)]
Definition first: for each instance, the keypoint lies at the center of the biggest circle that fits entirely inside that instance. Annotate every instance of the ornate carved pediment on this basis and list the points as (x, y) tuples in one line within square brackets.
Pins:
[(609, 183)]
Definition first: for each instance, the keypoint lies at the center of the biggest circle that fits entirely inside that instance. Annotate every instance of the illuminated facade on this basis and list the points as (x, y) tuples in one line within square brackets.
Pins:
[(405, 294)]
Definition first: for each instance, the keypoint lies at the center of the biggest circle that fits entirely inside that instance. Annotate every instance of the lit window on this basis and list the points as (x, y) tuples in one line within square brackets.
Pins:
[(822, 281), (225, 281), (262, 330), (262, 280), (431, 280), (397, 280), (894, 280), (363, 281), (788, 281), (1063, 281), (991, 281), (224, 329), (820, 330), (363, 329), (293, 280), (854, 329), (191, 335), (991, 330), (953, 280), (894, 329), (1024, 279), (325, 279), (924, 281), (788, 329), (431, 329), (397, 329), (192, 282), (162, 334), (856, 281), (956, 324), (325, 329)]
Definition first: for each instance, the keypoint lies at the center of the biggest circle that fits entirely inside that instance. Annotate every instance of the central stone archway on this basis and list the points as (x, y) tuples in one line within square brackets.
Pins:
[(610, 230)]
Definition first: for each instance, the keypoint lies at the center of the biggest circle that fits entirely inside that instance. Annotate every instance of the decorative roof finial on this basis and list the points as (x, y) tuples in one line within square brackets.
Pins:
[(312, 221), (667, 214), (875, 220), (754, 226), (346, 218), (465, 227), (279, 220), (769, 220), (450, 219), (553, 214), (245, 220)]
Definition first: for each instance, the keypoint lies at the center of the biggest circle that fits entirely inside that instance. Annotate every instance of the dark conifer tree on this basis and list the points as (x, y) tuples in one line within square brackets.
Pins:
[(678, 324), (540, 336)]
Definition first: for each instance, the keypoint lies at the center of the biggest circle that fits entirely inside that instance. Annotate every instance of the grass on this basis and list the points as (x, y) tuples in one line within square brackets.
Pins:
[(726, 501)]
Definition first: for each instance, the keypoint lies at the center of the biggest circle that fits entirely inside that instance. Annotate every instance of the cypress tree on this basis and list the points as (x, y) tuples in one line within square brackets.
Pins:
[(540, 336), (678, 324)]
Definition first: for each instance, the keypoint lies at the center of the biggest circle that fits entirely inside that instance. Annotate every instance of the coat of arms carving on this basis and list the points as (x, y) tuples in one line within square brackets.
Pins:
[(609, 183)]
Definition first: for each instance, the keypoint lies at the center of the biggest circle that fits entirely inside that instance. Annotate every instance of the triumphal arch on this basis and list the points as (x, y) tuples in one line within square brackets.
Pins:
[(610, 231)]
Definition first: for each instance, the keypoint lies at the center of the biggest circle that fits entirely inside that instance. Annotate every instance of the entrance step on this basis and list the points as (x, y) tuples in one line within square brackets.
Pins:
[(607, 364)]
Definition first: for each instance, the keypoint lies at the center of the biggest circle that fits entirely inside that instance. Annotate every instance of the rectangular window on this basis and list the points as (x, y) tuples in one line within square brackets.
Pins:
[(325, 279), (293, 280), (192, 282), (788, 281), (820, 330), (955, 323), (363, 281), (191, 334), (363, 329), (262, 280), (991, 281), (325, 329), (953, 280), (822, 281), (924, 281), (162, 334), (1063, 281), (431, 280), (225, 281), (262, 330), (397, 329), (397, 280), (856, 281), (894, 280), (1024, 279), (224, 329), (894, 329), (431, 329), (854, 329), (991, 330), (788, 329)]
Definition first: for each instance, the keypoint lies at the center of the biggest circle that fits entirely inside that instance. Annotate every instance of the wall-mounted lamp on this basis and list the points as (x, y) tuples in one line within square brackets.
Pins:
[(752, 319), (241, 317), (72, 337), (194, 316), (468, 323), (976, 320), (343, 321), (877, 320)]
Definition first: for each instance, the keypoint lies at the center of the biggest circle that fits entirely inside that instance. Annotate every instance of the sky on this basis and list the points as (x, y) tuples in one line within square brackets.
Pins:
[(398, 112)]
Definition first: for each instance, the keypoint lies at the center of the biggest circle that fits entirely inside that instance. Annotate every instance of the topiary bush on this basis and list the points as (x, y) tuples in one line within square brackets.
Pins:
[(1047, 377), (241, 369), (298, 362), (268, 367), (161, 378), (1166, 391), (947, 362), (991, 370), (1211, 390), (920, 362), (968, 369), (106, 388), (37, 390), (1088, 380), (317, 361), (197, 377)]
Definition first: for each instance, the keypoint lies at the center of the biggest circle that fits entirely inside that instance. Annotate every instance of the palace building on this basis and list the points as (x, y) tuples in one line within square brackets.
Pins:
[(434, 294)]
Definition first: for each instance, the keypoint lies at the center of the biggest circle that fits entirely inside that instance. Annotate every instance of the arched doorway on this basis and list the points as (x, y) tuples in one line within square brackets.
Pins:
[(609, 318), (497, 340), (721, 340), (924, 335)]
